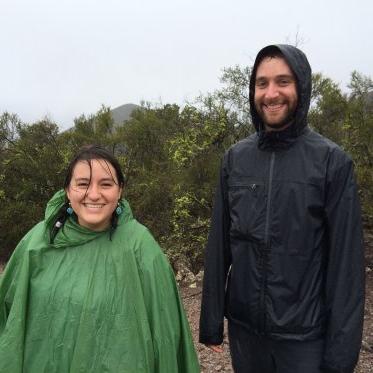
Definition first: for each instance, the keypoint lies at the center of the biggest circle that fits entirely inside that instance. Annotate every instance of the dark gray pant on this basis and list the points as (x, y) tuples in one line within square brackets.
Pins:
[(256, 354)]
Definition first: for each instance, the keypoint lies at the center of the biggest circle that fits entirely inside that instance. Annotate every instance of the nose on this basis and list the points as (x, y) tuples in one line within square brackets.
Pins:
[(93, 192), (272, 91)]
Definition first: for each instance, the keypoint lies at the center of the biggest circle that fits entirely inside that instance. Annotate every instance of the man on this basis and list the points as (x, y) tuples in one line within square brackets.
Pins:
[(284, 259)]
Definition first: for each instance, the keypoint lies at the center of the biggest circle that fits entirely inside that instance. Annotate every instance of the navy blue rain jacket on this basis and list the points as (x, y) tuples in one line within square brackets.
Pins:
[(284, 256)]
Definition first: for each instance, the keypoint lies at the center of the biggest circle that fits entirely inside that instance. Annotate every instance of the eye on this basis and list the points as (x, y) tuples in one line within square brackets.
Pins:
[(107, 185), (261, 83), (284, 82), (82, 184)]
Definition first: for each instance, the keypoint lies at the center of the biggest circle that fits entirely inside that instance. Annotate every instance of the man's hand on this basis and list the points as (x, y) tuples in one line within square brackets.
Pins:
[(215, 348)]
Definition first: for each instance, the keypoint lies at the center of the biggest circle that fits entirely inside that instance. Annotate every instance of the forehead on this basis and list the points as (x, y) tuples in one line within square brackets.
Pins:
[(272, 67), (93, 168)]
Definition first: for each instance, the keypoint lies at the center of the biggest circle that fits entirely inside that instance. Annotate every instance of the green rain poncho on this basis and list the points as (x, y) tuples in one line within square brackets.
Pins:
[(89, 304)]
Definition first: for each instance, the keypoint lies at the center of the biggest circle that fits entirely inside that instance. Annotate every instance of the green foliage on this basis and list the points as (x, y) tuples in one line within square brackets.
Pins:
[(170, 157), (347, 119), (201, 131), (234, 95), (328, 109), (358, 139), (30, 172), (146, 165)]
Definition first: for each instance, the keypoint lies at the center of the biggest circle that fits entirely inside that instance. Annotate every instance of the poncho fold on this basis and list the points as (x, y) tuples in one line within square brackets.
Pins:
[(89, 304)]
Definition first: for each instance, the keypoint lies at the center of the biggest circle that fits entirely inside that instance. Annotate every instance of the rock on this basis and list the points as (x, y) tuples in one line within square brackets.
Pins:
[(185, 276), (199, 276), (367, 346), (178, 277)]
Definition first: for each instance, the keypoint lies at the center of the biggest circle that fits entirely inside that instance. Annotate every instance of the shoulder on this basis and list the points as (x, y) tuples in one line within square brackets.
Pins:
[(241, 149), (33, 238), (316, 139), (246, 144), (142, 242), (337, 165), (330, 152)]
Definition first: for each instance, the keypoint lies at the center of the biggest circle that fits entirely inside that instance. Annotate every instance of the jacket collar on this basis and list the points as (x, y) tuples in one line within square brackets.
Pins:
[(279, 140)]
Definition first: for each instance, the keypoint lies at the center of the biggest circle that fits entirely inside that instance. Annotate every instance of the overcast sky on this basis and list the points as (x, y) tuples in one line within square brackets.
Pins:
[(64, 58)]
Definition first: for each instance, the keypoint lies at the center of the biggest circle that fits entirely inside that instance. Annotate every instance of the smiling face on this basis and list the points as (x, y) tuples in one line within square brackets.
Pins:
[(94, 193), (275, 95)]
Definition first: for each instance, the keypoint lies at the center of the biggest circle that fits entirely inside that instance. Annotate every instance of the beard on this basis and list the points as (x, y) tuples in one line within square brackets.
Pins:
[(282, 121)]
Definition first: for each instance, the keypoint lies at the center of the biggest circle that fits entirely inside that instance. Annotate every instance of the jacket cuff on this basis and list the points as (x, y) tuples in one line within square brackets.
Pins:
[(210, 340)]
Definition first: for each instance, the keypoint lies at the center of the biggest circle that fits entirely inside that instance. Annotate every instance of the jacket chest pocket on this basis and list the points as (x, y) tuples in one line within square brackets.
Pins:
[(247, 208)]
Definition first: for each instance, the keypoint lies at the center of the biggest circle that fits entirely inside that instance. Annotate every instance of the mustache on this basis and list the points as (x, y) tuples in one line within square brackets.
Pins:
[(274, 102)]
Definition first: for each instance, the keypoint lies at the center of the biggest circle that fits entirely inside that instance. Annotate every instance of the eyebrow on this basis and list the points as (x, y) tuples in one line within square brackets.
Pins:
[(282, 76), (87, 179), (287, 76)]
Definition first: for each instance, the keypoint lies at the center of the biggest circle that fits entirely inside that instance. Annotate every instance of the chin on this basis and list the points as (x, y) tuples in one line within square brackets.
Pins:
[(277, 125)]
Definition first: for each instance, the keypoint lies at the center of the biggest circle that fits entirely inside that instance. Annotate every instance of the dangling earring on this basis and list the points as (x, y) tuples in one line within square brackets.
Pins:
[(118, 210), (69, 210)]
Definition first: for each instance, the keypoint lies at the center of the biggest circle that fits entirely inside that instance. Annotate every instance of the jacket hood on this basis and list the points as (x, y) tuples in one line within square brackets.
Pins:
[(298, 63), (71, 233)]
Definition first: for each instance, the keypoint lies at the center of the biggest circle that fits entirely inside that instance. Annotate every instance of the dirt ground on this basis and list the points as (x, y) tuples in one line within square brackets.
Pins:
[(214, 362)]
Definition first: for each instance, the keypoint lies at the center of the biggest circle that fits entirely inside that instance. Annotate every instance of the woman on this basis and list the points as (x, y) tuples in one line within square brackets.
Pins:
[(88, 289)]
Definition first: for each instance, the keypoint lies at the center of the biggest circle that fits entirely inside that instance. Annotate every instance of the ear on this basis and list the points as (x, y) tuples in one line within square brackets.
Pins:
[(67, 191), (120, 193)]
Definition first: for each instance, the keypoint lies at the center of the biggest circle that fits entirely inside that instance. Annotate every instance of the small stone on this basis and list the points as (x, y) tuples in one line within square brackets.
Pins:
[(199, 276), (178, 276), (193, 286)]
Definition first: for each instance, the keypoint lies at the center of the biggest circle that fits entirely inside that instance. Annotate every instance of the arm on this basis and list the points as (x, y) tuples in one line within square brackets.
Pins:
[(8, 284), (217, 263), (345, 278), (13, 308)]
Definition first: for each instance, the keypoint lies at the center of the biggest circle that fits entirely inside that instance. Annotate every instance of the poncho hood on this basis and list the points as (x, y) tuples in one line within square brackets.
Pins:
[(77, 234), (298, 63)]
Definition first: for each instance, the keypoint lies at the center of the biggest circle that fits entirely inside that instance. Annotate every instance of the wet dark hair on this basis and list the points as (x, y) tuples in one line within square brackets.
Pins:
[(88, 153), (270, 52)]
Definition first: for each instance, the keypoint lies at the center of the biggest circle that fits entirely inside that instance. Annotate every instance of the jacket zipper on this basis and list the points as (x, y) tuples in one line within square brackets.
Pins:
[(266, 232), (265, 251)]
